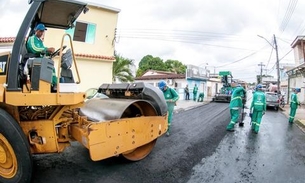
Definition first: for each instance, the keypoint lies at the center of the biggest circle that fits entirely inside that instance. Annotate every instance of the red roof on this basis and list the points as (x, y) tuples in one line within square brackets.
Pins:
[(94, 56), (12, 39), (7, 39)]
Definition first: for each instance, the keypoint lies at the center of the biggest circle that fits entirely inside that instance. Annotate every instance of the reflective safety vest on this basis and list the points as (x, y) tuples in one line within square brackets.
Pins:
[(294, 101), (259, 101), (236, 98)]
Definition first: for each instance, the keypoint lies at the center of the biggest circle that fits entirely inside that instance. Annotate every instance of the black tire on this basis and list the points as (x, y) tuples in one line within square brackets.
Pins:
[(16, 163)]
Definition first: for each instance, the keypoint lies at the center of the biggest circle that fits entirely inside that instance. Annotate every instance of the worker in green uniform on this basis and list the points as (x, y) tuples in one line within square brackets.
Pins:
[(200, 97), (235, 104), (294, 103), (195, 90), (171, 98), (35, 46), (257, 108)]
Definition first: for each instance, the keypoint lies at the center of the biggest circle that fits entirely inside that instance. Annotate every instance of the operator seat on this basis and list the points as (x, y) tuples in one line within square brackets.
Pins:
[(66, 75), (25, 55)]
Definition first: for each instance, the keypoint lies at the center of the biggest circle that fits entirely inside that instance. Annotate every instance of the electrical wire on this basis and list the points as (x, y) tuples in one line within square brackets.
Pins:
[(289, 12)]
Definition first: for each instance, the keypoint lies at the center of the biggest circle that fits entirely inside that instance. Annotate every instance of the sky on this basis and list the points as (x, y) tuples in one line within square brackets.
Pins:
[(217, 34)]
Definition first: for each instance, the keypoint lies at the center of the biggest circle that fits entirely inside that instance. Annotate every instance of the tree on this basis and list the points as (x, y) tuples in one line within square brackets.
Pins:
[(149, 62), (175, 66), (121, 69)]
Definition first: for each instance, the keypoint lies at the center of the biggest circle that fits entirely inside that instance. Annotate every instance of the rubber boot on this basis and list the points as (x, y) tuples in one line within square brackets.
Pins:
[(230, 127), (168, 130)]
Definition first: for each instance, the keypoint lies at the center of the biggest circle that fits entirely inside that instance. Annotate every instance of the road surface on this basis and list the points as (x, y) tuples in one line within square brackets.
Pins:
[(198, 150)]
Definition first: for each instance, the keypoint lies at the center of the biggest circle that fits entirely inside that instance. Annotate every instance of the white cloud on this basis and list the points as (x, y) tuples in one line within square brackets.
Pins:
[(217, 32)]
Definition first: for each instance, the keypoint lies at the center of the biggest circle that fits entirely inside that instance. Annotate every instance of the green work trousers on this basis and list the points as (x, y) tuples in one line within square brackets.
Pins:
[(54, 77), (234, 118), (256, 120), (170, 109), (200, 97), (292, 114), (194, 96)]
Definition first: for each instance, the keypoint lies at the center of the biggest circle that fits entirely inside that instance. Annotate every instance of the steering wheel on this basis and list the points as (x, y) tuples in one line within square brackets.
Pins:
[(57, 51)]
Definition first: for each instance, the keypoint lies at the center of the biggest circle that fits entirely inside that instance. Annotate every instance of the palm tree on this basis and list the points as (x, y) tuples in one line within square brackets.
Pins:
[(121, 69), (175, 66)]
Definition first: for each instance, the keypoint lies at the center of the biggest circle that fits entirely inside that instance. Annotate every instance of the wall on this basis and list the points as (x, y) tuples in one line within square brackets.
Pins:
[(93, 72)]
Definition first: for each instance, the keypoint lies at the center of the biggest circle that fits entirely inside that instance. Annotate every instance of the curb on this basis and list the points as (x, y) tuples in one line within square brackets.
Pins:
[(300, 124), (190, 107)]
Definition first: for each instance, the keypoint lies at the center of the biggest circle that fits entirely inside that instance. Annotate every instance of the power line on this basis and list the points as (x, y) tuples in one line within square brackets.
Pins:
[(243, 58), (289, 12), (182, 41), (179, 35)]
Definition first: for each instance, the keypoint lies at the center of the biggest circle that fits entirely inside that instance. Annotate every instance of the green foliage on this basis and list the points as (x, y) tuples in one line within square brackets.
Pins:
[(121, 69), (149, 62), (175, 66)]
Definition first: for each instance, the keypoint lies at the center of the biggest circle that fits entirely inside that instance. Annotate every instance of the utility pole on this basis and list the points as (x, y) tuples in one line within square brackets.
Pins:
[(261, 76), (277, 60), (277, 65)]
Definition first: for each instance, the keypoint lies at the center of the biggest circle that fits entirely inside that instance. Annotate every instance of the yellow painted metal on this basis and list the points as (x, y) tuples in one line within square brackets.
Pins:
[(52, 132), (46, 130), (8, 160), (139, 152), (1, 92), (111, 138), (38, 99)]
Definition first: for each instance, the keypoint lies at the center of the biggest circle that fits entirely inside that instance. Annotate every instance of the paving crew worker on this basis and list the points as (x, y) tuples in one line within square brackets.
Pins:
[(235, 104), (200, 97), (258, 108), (294, 102), (171, 98), (35, 46), (195, 90)]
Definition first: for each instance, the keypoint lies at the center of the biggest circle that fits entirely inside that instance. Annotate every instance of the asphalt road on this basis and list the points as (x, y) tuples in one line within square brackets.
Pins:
[(199, 150), (276, 154), (195, 134)]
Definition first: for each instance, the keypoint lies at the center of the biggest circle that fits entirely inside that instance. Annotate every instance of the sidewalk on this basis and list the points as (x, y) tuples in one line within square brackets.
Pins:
[(183, 105), (299, 116)]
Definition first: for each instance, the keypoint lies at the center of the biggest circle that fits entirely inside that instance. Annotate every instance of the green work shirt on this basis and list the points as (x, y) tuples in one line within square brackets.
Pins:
[(236, 97), (170, 94), (36, 46), (195, 89), (294, 101), (258, 101)]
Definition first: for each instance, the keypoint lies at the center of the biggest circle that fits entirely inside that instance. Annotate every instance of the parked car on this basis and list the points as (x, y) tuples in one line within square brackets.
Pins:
[(272, 100), (92, 93)]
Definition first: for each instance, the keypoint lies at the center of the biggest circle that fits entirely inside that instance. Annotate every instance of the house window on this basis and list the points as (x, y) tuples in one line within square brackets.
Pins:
[(83, 32)]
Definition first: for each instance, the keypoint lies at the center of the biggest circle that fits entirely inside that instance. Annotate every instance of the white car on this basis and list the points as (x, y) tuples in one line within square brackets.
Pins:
[(93, 93)]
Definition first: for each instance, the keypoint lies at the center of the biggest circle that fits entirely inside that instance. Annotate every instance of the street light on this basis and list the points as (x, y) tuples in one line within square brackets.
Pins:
[(277, 60)]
